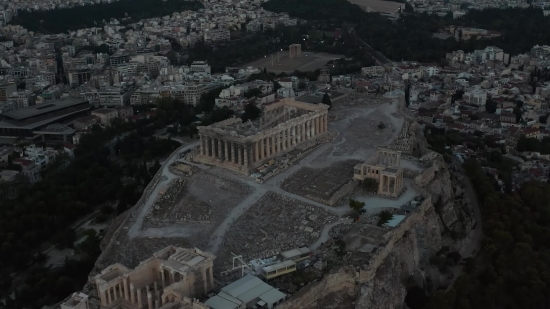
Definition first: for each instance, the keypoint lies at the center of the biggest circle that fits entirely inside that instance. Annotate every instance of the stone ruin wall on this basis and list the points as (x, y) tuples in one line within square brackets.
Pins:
[(410, 244), (347, 279)]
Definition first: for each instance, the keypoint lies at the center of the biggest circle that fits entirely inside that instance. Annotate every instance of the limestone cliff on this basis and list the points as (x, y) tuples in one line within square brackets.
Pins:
[(404, 254)]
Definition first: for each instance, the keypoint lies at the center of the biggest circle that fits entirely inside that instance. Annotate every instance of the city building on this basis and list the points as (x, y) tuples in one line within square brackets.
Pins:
[(105, 115), (216, 35), (247, 292), (85, 123), (38, 120), (78, 300)]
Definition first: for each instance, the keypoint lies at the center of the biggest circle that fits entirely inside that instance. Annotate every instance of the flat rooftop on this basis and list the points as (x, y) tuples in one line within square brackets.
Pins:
[(44, 108), (104, 111)]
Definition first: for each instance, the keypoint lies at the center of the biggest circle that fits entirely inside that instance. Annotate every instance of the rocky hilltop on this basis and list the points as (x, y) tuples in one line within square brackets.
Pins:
[(442, 224)]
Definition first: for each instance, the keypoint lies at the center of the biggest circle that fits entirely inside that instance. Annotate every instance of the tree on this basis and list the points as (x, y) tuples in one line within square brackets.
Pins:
[(326, 100), (543, 118), (356, 205), (384, 217), (254, 92), (251, 112), (491, 106), (370, 185)]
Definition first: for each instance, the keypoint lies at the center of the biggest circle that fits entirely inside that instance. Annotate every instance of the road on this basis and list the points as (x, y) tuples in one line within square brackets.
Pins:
[(324, 233), (378, 56), (164, 172)]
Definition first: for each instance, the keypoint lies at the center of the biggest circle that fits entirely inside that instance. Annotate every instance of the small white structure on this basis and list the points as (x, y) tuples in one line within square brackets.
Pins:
[(249, 291), (78, 300)]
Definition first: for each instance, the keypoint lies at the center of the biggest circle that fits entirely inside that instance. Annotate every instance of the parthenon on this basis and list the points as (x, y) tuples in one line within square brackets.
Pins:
[(242, 147), (385, 168)]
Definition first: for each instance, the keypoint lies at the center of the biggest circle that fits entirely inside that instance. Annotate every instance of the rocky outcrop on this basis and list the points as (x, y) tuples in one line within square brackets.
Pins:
[(337, 290), (405, 252)]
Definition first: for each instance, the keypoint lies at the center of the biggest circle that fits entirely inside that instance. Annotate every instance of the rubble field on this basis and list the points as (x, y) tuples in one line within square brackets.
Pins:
[(272, 225), (199, 202), (320, 184)]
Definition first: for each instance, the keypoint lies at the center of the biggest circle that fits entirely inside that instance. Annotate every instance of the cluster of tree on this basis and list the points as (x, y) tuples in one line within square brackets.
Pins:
[(510, 271), (412, 34), (44, 212), (61, 20), (534, 145), (134, 146), (235, 52), (356, 205), (44, 286), (251, 112)]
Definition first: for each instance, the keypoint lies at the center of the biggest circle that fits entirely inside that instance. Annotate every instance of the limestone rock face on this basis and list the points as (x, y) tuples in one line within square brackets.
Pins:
[(405, 255), (336, 290)]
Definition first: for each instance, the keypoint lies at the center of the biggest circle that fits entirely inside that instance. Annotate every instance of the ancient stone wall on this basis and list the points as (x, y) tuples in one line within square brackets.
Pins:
[(340, 281), (407, 248)]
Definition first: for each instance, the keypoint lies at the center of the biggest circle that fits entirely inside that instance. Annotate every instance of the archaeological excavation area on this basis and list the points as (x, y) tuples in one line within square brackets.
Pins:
[(206, 194)]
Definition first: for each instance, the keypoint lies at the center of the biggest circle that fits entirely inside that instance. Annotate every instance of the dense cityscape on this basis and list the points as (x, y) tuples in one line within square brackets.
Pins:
[(210, 154)]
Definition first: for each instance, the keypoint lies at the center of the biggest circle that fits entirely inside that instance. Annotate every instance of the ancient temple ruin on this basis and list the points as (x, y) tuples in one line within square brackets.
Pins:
[(242, 147), (171, 275), (385, 168)]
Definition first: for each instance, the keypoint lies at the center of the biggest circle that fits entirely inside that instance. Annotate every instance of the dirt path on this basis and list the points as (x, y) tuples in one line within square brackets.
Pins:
[(324, 233), (316, 159)]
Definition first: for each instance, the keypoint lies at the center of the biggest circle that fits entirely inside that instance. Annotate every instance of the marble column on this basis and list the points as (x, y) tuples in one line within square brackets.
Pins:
[(157, 304), (276, 140), (109, 300), (220, 153), (203, 148), (233, 153), (245, 155), (317, 125), (126, 294), (150, 300), (273, 151), (288, 138), (103, 297), (172, 277), (303, 131), (239, 155), (139, 300), (226, 150), (262, 155), (256, 151), (132, 294)]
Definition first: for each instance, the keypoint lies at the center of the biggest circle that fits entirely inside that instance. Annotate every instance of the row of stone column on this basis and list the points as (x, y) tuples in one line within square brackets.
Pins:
[(263, 148), (386, 182), (289, 137), (227, 150), (135, 296)]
